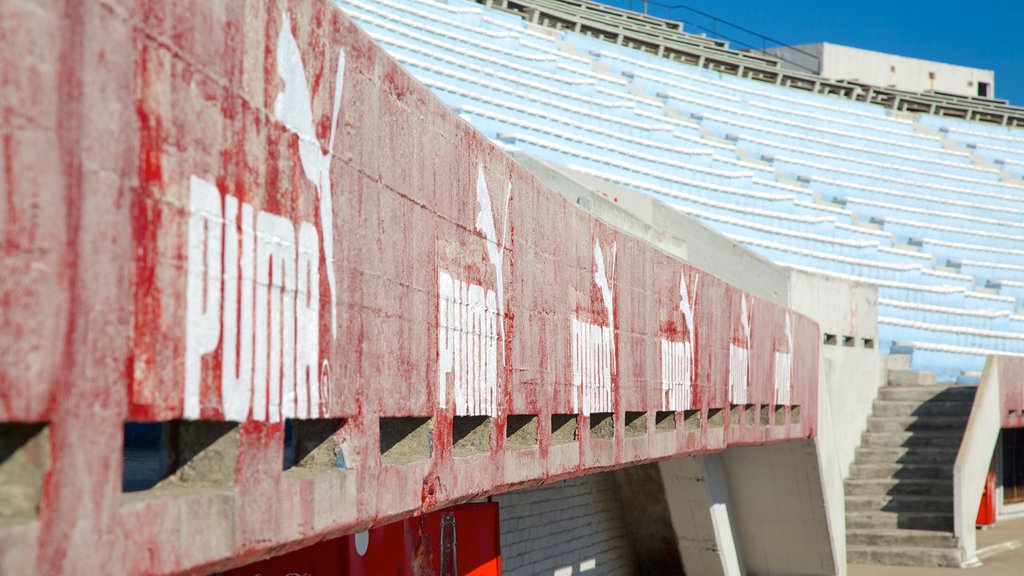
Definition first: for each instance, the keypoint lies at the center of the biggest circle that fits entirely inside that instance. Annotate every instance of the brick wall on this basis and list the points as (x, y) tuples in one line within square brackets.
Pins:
[(563, 528)]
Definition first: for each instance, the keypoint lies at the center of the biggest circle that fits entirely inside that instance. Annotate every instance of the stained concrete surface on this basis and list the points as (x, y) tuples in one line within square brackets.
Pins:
[(1000, 547)]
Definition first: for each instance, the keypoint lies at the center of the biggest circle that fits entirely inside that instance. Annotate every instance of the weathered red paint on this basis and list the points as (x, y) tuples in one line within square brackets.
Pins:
[(108, 122), (411, 546), (1011, 389)]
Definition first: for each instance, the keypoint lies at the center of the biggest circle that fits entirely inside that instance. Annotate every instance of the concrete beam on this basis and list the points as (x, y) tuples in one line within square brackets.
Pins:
[(249, 213)]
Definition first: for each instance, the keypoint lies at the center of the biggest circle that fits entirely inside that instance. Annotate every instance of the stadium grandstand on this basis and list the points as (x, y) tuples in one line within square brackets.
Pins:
[(813, 174), (513, 286)]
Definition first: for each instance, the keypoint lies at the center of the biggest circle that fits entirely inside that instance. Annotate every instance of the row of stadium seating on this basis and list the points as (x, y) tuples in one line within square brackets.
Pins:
[(662, 38), (928, 209)]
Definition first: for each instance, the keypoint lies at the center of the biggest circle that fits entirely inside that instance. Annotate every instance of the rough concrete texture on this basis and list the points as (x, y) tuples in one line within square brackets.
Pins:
[(667, 228), (780, 510), (1000, 549), (650, 523), (697, 501), (246, 211), (851, 374)]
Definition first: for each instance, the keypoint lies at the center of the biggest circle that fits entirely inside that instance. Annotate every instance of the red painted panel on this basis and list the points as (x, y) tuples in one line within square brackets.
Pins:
[(1011, 388), (470, 545), (246, 211)]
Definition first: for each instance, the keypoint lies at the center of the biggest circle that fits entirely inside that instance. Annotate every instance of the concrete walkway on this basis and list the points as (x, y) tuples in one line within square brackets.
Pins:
[(1001, 549)]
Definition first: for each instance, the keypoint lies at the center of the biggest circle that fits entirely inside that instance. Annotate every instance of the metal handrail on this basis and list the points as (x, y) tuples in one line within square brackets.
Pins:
[(714, 32)]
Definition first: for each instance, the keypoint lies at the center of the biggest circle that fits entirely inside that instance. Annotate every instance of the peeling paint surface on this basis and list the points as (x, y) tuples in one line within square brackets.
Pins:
[(246, 212)]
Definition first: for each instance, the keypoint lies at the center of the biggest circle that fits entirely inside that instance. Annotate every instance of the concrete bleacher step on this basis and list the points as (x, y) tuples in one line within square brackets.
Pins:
[(907, 455), (911, 378), (899, 471), (906, 247), (922, 393), (936, 503), (899, 492), (881, 520), (919, 439), (932, 407), (903, 486), (896, 361), (893, 538), (915, 423), (903, 556)]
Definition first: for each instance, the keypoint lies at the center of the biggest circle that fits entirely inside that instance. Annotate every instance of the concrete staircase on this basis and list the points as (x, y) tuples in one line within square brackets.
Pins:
[(899, 494)]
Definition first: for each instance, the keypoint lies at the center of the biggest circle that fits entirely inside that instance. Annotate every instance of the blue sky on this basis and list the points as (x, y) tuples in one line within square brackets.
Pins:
[(982, 34)]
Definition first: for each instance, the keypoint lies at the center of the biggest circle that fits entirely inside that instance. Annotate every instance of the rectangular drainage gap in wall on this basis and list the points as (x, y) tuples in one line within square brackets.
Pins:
[(405, 439), (691, 420), (794, 415), (830, 339), (715, 418), (664, 422), (780, 415), (145, 455), (24, 460), (636, 424), (521, 432), (564, 428), (311, 445), (849, 341), (179, 454), (749, 411), (471, 435), (766, 412), (869, 343), (734, 414), (602, 426)]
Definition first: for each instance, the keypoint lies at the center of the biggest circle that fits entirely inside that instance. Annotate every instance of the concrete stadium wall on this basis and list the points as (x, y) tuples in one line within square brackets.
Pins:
[(221, 216), (999, 403), (575, 526), (667, 228), (697, 497), (784, 520), (697, 490), (847, 314), (851, 375)]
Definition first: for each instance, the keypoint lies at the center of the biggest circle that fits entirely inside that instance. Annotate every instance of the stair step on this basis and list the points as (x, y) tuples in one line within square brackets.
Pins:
[(896, 361), (900, 503), (902, 486), (914, 408), (900, 471), (915, 423), (903, 556), (904, 455), (924, 393), (878, 520), (900, 538), (911, 378), (920, 438)]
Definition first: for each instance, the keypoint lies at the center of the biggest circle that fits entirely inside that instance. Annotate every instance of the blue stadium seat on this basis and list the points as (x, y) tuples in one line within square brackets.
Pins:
[(928, 209)]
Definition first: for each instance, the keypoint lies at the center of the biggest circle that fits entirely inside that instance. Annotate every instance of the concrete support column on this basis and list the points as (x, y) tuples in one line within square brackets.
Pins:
[(776, 491), (697, 493)]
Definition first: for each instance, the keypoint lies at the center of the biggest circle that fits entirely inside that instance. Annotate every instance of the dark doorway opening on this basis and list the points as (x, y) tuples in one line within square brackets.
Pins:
[(1013, 465)]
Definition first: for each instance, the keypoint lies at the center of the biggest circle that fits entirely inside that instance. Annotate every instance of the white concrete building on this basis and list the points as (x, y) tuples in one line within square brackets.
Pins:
[(887, 70)]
